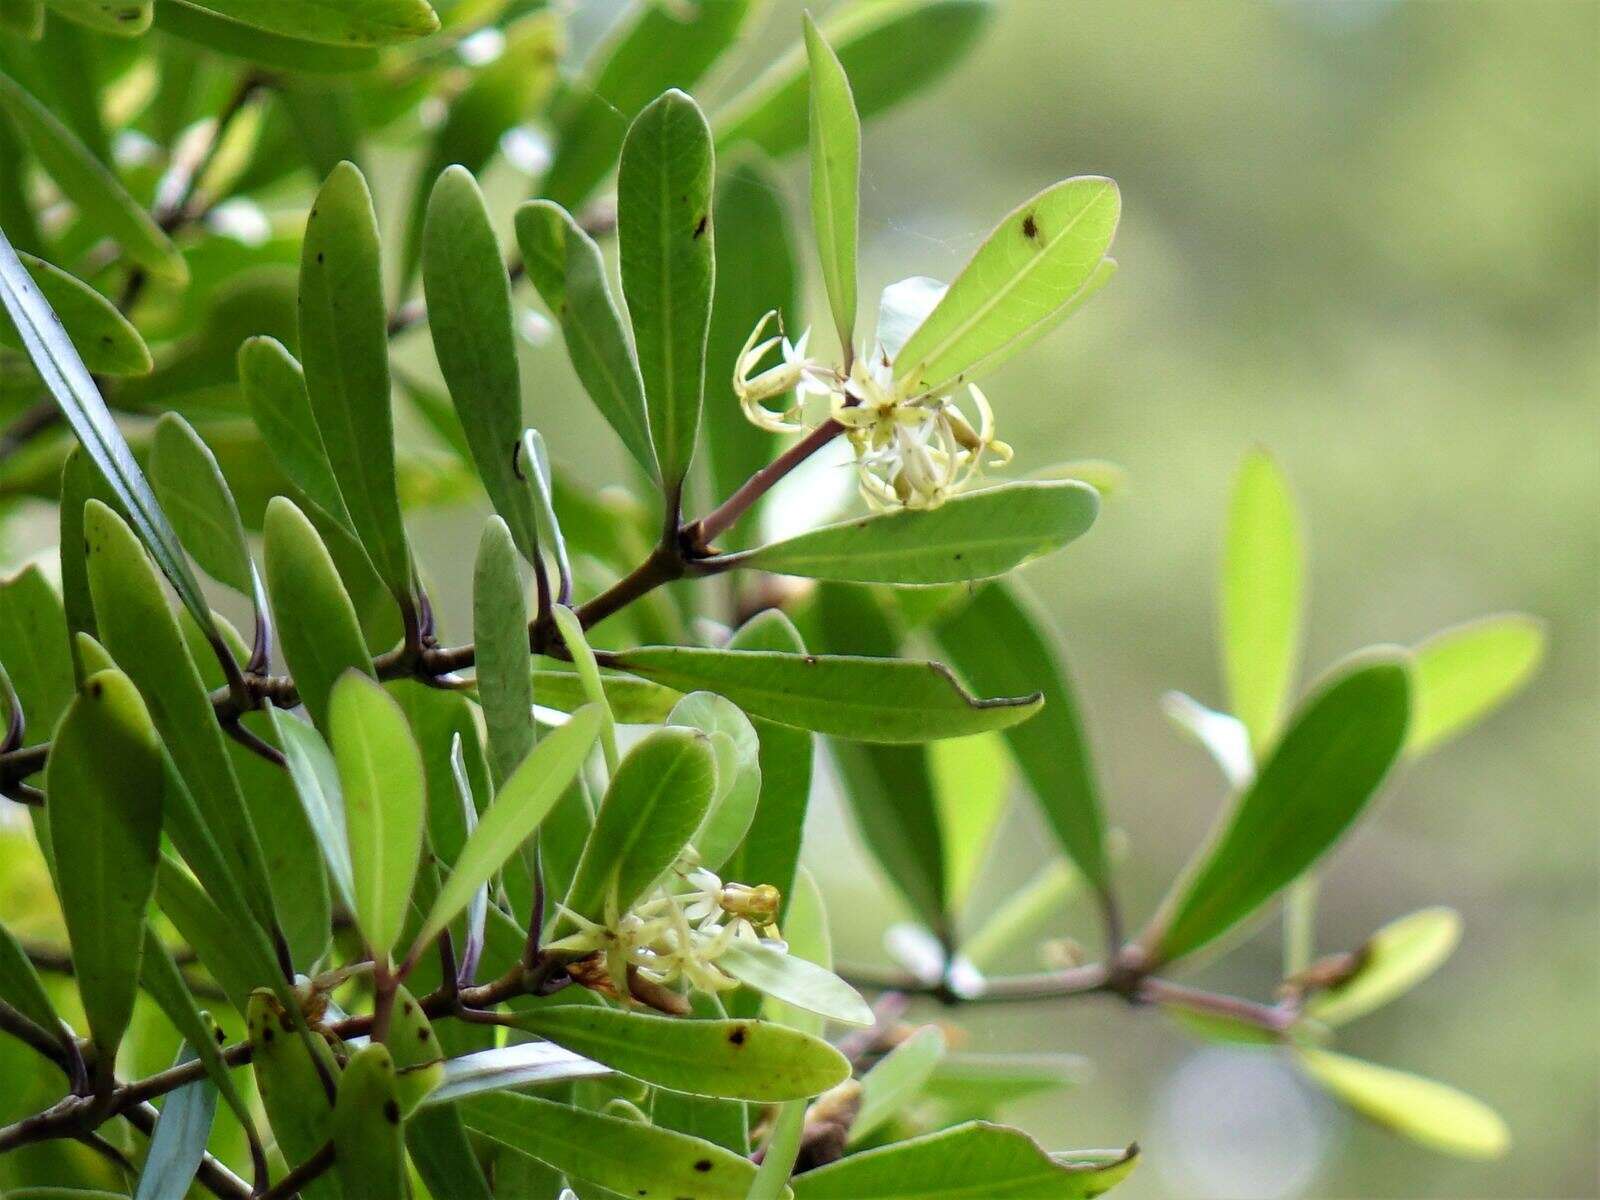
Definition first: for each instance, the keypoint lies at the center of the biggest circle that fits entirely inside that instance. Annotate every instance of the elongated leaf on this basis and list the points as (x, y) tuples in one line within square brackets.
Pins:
[(69, 383), (1431, 1113), (437, 1141), (368, 1135), (1323, 772), (21, 987), (1043, 328), (972, 536), (741, 1060), (469, 315), (344, 345), (179, 1141), (104, 789), (230, 959), (509, 1067), (33, 647), (771, 847), (610, 1152), (975, 1085), (315, 776), (566, 268), (757, 273), (588, 672), (1002, 643), (1035, 261), (90, 185), (795, 981), (668, 266), (1263, 603), (108, 344), (144, 637), (780, 1153), (650, 50), (1463, 674), (835, 135), (632, 701), (351, 23), (23, 18), (194, 23), (521, 803), (656, 801), (500, 632), (890, 51), (968, 1160), (292, 1088), (870, 700), (191, 488), (972, 780), (380, 777), (315, 619), (121, 18), (896, 1079), (1394, 960), (737, 748), (275, 386)]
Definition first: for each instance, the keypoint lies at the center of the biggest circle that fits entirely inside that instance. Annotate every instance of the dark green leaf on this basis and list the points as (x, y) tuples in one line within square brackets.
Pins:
[(500, 632), (972, 536), (835, 135), (344, 345), (871, 700), (668, 267), (292, 1087), (1329, 763), (104, 789), (33, 647), (21, 987), (22, 18), (179, 1141), (566, 268), (108, 344), (189, 21), (890, 50), (122, 18), (368, 1136), (469, 315), (231, 960), (1001, 642), (742, 1060)]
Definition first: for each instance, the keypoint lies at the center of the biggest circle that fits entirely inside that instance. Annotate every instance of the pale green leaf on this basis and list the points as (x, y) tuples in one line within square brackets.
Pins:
[(1263, 596), (895, 1081), (381, 779), (508, 1067), (368, 1136), (1392, 962), (1466, 672), (971, 780), (292, 1088), (191, 488), (588, 672), (315, 776), (337, 22), (108, 344), (1431, 1113), (794, 981), (275, 387), (199, 25), (738, 749), (179, 1141), (835, 138)]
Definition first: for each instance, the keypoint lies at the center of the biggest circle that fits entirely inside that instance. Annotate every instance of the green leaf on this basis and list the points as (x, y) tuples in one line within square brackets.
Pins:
[(145, 639), (418, 1058), (1394, 960), (890, 50), (632, 701), (179, 1141), (656, 801), (588, 672), (350, 23), (275, 386), (344, 344), (104, 787), (1025, 911), (74, 390), (757, 272), (316, 622), (668, 265), (1035, 262), (108, 343), (231, 960), (315, 776), (972, 780), (1464, 673), (975, 1085), (33, 647), (22, 18), (771, 847), (21, 987), (651, 49), (122, 18), (795, 981), (508, 1067), (443, 1156), (1002, 642), (500, 632), (368, 1134), (740, 1060), (90, 185), (972, 536), (737, 748), (1263, 596), (469, 316), (975, 1159), (194, 23), (781, 1152), (1328, 765), (521, 803), (292, 1088), (1431, 1113), (191, 488), (570, 276), (835, 135), (872, 700), (380, 777), (895, 1081)]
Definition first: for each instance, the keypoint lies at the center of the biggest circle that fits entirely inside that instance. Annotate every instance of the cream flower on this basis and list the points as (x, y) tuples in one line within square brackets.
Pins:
[(796, 373)]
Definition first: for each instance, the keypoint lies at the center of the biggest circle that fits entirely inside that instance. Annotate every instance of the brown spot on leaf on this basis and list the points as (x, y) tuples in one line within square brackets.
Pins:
[(1030, 227), (738, 1036), (700, 226), (703, 1165), (391, 1112)]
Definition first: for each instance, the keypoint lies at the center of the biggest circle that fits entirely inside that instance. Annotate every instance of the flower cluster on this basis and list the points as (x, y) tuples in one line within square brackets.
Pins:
[(677, 932), (912, 450)]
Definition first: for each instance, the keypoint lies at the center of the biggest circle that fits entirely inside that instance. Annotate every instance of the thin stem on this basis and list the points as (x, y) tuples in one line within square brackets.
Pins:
[(701, 533), (313, 1167)]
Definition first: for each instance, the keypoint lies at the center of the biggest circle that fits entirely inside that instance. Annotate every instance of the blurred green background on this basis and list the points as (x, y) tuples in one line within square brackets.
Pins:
[(1364, 235)]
